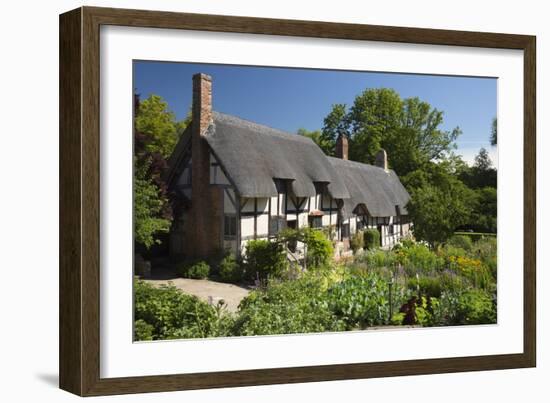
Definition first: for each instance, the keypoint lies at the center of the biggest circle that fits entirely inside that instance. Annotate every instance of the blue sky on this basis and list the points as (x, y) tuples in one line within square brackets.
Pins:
[(290, 99)]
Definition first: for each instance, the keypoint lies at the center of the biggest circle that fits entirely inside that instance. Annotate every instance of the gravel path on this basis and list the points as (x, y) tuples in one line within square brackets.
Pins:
[(207, 290)]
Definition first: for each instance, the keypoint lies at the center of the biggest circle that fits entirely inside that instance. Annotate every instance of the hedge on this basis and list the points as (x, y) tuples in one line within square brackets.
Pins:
[(372, 238)]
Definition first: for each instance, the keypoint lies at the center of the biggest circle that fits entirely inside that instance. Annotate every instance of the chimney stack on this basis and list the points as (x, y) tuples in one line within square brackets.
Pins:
[(202, 103), (205, 213), (382, 159), (342, 146)]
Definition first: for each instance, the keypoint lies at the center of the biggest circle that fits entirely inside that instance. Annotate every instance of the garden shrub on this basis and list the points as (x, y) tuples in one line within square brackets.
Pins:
[(461, 241), (265, 259), (372, 238), (473, 307), (453, 282), (477, 236), (143, 331), (295, 306), (486, 250), (448, 251), (230, 269), (491, 264), (419, 257), (422, 311), (407, 242), (425, 286), (215, 259), (319, 248), (378, 259), (473, 269), (360, 301), (427, 311), (357, 241), (170, 313), (198, 270), (329, 231)]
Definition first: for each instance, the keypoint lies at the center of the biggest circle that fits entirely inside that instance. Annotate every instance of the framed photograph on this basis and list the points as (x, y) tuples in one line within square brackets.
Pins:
[(249, 201)]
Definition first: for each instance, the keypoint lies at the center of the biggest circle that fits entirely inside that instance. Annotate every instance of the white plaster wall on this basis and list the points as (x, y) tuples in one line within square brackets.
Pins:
[(263, 206), (352, 225), (217, 176), (247, 227), (273, 206), (228, 206), (263, 225), (248, 205)]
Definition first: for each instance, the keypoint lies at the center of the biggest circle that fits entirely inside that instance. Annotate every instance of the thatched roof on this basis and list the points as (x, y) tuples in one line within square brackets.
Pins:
[(378, 190), (253, 155)]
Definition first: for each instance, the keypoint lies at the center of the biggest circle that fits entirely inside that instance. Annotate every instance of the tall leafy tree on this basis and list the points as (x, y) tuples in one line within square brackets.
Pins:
[(315, 135), (374, 117), (482, 161), (152, 210), (155, 134), (494, 130), (408, 129), (334, 124), (158, 122), (484, 216), (440, 203), (481, 174)]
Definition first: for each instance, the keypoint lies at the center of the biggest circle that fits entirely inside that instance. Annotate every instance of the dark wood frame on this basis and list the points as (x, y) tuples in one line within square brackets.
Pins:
[(79, 200)]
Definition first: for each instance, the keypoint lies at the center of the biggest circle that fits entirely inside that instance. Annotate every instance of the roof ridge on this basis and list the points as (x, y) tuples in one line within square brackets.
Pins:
[(237, 119), (357, 163)]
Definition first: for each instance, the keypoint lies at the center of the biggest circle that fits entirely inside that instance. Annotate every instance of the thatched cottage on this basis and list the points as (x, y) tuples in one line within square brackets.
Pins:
[(237, 180)]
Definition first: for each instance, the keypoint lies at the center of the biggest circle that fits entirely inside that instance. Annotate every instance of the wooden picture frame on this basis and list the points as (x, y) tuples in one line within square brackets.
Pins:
[(79, 201)]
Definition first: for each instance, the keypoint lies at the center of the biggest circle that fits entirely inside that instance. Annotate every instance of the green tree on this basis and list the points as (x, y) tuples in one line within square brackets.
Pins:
[(438, 211), (440, 203), (408, 129), (148, 207), (494, 127), (334, 124), (484, 217), (155, 135), (317, 138), (159, 123), (375, 116), (482, 161)]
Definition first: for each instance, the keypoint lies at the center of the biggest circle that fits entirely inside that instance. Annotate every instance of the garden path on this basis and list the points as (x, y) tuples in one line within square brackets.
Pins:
[(206, 290)]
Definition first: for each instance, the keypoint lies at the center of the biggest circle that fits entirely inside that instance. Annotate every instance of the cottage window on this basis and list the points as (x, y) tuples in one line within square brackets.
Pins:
[(230, 226), (316, 222)]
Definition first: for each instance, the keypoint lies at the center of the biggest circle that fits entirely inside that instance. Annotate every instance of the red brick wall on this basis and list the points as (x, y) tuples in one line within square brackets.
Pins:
[(342, 147), (205, 216)]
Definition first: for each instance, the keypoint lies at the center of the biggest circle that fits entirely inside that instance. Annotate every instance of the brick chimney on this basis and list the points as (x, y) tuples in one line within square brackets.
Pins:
[(202, 103), (382, 159), (204, 227), (342, 146)]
